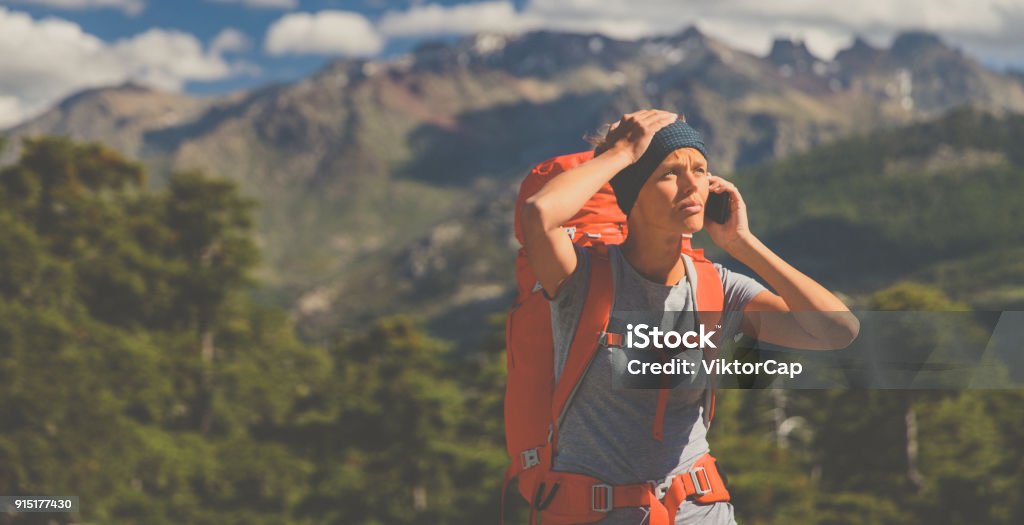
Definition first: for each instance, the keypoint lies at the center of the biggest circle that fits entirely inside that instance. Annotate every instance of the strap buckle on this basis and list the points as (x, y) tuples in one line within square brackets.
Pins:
[(602, 497), (530, 458), (610, 339), (660, 487), (696, 483)]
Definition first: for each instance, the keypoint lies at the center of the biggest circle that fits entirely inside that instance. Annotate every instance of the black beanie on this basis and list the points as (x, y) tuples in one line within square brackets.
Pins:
[(627, 183)]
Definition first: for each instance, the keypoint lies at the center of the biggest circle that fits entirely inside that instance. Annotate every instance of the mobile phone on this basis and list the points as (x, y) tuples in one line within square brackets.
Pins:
[(718, 207)]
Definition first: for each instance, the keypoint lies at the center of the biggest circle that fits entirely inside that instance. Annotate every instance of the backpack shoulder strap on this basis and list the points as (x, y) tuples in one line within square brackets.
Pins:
[(593, 322), (710, 302), (708, 285), (710, 295)]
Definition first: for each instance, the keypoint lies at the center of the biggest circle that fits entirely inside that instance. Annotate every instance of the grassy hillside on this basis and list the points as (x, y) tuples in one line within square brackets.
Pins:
[(936, 202)]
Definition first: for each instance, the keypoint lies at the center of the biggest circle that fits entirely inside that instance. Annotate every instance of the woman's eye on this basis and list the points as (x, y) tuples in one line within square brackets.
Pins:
[(668, 175)]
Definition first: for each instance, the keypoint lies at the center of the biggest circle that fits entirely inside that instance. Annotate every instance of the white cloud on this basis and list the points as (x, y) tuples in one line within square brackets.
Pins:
[(11, 111), (230, 40), (325, 32), (433, 20), (130, 7), (167, 59), (261, 4), (48, 59)]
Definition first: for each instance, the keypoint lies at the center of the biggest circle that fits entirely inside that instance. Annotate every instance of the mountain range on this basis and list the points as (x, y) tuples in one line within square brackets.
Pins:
[(386, 185)]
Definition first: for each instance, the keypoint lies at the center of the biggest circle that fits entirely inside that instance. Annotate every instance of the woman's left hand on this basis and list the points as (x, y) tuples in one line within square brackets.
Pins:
[(736, 230)]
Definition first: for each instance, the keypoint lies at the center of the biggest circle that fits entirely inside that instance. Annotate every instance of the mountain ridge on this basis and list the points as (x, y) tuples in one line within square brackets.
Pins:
[(364, 157), (932, 202)]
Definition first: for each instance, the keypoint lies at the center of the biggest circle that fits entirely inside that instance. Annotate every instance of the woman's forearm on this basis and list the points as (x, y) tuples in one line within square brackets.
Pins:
[(559, 200), (801, 293), (565, 195)]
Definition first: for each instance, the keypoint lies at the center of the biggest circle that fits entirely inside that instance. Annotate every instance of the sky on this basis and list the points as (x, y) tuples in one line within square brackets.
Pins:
[(50, 49)]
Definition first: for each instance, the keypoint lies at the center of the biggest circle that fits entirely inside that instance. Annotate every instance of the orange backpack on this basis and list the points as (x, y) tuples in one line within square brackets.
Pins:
[(534, 402)]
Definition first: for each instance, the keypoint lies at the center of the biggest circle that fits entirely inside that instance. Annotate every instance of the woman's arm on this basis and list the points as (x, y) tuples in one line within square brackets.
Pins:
[(548, 249), (827, 324)]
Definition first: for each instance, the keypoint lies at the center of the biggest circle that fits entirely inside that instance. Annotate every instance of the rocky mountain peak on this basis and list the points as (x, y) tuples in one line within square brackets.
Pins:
[(484, 44), (792, 54), (859, 50), (547, 53), (859, 57), (917, 45), (126, 89), (691, 36)]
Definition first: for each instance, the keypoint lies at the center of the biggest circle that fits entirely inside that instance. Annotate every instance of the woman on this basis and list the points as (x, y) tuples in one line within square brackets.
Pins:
[(606, 429)]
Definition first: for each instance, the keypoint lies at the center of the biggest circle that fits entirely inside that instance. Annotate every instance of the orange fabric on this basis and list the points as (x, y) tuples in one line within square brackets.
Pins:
[(658, 428), (599, 221), (530, 382), (578, 495)]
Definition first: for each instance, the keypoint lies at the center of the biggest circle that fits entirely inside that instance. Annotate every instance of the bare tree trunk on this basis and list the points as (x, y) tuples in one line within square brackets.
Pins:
[(780, 398), (913, 474), (206, 353), (419, 498), (206, 346)]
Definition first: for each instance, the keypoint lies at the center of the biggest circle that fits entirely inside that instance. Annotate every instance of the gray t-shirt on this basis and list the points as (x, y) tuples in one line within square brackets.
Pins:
[(606, 431)]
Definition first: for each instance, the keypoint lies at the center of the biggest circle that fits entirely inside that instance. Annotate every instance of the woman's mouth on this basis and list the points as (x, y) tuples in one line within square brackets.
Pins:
[(690, 208)]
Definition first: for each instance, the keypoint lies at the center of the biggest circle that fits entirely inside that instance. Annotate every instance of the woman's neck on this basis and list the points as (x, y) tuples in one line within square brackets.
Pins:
[(655, 254)]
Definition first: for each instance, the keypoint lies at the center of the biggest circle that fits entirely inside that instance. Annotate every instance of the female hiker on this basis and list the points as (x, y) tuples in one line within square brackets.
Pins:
[(630, 455)]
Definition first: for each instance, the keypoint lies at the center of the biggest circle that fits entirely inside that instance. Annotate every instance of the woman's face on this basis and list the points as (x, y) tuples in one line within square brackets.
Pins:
[(674, 195)]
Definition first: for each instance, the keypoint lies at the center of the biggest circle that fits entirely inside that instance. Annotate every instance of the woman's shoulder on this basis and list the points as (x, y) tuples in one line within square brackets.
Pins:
[(574, 286), (738, 288)]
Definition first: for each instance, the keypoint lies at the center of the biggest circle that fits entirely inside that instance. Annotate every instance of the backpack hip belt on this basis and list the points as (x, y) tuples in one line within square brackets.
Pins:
[(577, 498)]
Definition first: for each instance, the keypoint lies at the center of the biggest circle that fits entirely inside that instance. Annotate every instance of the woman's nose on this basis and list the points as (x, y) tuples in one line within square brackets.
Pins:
[(688, 182)]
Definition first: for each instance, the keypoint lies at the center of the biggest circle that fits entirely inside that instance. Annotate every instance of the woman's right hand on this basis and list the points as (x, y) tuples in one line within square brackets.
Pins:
[(632, 134)]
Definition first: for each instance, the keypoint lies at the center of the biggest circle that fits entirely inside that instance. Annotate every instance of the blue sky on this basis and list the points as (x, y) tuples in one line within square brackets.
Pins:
[(52, 48), (205, 19)]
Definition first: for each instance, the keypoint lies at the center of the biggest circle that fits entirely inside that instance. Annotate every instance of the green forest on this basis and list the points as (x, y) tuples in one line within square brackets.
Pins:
[(140, 372)]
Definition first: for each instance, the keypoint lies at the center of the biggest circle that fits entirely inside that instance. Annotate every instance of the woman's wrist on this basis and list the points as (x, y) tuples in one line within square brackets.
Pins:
[(743, 247), (620, 156)]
